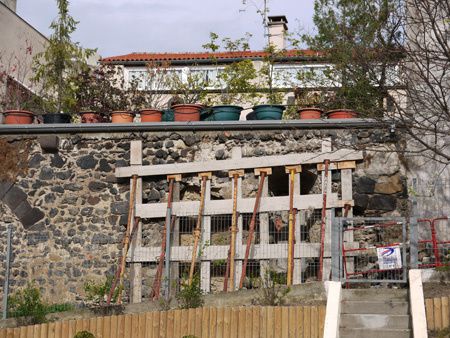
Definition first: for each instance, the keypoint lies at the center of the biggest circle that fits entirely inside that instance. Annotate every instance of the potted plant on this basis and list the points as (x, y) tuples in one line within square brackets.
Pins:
[(308, 104), (58, 64), (338, 102), (88, 96), (272, 109), (189, 88), (149, 99), (235, 80)]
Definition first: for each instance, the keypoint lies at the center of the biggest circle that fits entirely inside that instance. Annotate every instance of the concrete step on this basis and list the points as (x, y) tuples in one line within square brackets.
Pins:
[(371, 321), (374, 307), (365, 333), (381, 294)]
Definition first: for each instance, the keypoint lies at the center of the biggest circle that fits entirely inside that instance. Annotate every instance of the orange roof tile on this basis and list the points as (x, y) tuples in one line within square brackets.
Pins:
[(147, 57)]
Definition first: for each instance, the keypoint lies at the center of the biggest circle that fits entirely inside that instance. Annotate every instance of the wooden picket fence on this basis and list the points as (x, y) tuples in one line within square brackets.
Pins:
[(438, 315), (228, 322)]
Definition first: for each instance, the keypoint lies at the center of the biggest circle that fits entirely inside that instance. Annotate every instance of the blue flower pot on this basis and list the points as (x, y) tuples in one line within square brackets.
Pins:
[(226, 113), (269, 111)]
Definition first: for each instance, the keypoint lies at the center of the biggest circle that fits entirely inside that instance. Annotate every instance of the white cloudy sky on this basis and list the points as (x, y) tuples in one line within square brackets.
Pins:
[(124, 26)]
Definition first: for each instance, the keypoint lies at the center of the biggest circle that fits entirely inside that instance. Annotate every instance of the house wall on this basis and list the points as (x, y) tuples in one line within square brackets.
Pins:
[(68, 211)]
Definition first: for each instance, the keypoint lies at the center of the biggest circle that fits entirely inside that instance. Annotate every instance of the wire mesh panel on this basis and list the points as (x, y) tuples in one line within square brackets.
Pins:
[(433, 242), (378, 251)]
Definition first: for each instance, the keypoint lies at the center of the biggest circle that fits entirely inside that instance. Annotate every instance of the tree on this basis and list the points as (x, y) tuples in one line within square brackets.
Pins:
[(61, 61), (362, 39), (390, 60)]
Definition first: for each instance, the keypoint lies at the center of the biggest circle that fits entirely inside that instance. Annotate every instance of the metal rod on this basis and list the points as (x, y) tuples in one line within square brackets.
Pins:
[(8, 263), (127, 236), (234, 230), (291, 228), (197, 229), (162, 255), (252, 228), (169, 225), (324, 209)]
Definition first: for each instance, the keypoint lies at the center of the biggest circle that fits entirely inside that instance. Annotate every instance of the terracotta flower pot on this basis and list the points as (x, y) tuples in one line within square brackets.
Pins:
[(342, 114), (18, 117), (310, 113), (151, 115), (91, 117), (122, 117), (187, 112)]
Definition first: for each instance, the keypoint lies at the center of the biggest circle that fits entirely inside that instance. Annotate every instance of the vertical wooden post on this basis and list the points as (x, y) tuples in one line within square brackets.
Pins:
[(236, 153), (136, 268), (292, 171)]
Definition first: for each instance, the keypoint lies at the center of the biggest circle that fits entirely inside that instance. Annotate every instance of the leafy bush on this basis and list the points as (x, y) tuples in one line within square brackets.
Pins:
[(190, 296), (271, 291), (84, 334), (97, 292), (28, 302)]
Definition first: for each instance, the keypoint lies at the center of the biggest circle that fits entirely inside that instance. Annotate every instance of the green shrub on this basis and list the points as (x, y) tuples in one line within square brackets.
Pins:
[(27, 302), (84, 334), (190, 296), (97, 292)]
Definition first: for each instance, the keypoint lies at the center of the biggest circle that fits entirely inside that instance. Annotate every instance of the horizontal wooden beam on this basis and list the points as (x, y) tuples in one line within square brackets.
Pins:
[(242, 163), (246, 205), (220, 252)]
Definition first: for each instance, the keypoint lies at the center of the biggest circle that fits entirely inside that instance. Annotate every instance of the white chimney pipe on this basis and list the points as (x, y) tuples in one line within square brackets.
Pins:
[(277, 31)]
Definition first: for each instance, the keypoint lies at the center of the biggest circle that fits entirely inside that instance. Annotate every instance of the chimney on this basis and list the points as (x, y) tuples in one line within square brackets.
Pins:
[(11, 4), (277, 31)]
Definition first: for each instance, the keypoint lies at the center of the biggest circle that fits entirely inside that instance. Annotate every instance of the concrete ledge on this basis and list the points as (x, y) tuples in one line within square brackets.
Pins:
[(333, 313), (189, 126), (417, 302)]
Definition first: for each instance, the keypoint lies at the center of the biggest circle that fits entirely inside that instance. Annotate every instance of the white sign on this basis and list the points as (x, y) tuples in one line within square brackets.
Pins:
[(389, 257)]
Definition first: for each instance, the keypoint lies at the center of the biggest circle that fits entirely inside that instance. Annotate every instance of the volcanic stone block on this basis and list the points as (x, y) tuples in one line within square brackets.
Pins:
[(4, 188), (34, 216), (49, 143), (14, 197)]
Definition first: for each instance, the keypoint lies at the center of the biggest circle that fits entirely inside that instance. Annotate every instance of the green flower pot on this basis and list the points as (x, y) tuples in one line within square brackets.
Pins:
[(268, 111), (226, 113)]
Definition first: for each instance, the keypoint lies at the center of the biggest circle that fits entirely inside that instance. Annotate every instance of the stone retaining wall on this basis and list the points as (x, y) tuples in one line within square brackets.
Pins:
[(69, 212)]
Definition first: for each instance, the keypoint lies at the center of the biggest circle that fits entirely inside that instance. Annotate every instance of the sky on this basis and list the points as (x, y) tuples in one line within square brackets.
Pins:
[(118, 27)]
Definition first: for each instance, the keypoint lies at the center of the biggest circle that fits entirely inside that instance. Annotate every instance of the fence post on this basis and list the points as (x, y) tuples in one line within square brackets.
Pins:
[(335, 249), (8, 260), (413, 243)]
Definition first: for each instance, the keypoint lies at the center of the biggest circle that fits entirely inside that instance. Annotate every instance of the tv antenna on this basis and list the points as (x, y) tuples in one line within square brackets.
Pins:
[(263, 12)]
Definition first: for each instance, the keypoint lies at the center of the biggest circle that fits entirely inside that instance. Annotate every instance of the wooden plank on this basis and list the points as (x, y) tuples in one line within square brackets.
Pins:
[(314, 322), (244, 205), (445, 312), (170, 324), (219, 329), (106, 326), (437, 309), (277, 313), (234, 322), (51, 330), (267, 171), (270, 322), (307, 322), (284, 322), (113, 321), (162, 324), (2, 333), (205, 322), (292, 321), (243, 163), (184, 323), (135, 325), (37, 332), (58, 329), (429, 312), (155, 328), (255, 321), (149, 325), (93, 325), (241, 324), (322, 312), (23, 332), (191, 321), (263, 322), (248, 321), (72, 328), (226, 322), (177, 323), (121, 326), (65, 329), (212, 322), (100, 324), (128, 326), (16, 333), (198, 322), (30, 331)]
